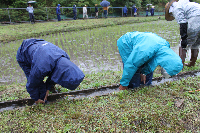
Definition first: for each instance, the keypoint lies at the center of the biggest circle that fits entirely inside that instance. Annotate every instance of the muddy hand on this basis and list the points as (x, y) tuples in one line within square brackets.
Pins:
[(39, 101), (123, 87)]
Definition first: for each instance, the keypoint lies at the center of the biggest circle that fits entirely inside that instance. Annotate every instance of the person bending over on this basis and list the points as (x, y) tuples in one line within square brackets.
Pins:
[(38, 59), (141, 53)]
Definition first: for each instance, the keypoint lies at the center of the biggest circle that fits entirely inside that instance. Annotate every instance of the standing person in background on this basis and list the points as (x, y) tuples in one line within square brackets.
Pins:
[(30, 10), (187, 15), (125, 10), (105, 5), (74, 12), (58, 12), (147, 10), (152, 10), (134, 10), (96, 11), (85, 12), (105, 11)]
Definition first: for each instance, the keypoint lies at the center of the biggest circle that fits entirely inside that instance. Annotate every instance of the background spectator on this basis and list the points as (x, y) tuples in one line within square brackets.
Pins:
[(85, 12), (147, 10), (134, 10), (125, 10), (74, 12), (30, 10), (58, 12), (152, 10), (96, 11)]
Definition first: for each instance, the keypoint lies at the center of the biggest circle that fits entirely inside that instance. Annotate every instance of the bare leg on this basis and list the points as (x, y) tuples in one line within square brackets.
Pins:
[(182, 54), (194, 55)]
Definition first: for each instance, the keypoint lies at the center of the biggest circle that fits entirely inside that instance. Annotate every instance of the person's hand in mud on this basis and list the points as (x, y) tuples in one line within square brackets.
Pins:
[(47, 93), (143, 78), (39, 101), (123, 87)]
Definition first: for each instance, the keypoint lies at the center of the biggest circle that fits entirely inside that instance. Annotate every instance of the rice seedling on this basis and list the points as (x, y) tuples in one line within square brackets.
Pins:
[(89, 48)]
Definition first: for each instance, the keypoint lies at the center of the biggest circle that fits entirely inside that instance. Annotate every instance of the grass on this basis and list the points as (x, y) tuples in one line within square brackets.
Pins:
[(23, 31), (165, 108)]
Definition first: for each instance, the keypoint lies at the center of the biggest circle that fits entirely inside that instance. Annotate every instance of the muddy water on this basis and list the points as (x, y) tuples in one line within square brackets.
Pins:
[(92, 50), (103, 92)]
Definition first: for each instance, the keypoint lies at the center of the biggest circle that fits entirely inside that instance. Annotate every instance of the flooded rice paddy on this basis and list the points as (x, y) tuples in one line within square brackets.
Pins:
[(92, 50)]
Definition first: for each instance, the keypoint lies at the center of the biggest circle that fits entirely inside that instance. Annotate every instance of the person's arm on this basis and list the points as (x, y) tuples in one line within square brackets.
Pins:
[(183, 33), (57, 10), (47, 93), (179, 14)]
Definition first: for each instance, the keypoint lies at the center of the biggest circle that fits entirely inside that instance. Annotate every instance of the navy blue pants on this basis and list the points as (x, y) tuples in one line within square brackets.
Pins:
[(59, 18), (105, 13), (136, 80), (74, 16), (31, 16), (125, 14)]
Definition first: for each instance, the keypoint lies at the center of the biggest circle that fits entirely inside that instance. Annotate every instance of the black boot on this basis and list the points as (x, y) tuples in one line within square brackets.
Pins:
[(194, 55)]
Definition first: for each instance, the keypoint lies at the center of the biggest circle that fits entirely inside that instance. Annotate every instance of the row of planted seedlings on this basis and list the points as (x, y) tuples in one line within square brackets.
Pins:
[(92, 50)]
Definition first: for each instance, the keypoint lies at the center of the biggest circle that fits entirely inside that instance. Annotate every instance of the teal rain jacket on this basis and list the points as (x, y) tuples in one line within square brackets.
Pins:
[(146, 50)]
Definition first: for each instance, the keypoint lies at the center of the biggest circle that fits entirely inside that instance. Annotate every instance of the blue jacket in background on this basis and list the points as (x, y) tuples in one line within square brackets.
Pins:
[(152, 11), (134, 10), (148, 50), (38, 59), (74, 9), (125, 9), (58, 10)]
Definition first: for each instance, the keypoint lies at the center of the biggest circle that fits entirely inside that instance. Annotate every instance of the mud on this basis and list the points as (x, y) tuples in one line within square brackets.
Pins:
[(102, 91)]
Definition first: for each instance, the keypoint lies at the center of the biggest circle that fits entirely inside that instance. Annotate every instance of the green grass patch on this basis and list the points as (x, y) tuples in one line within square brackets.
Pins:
[(165, 108)]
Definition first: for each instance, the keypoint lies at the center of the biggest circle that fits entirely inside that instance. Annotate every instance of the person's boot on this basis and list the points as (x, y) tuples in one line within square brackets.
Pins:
[(182, 54), (194, 55)]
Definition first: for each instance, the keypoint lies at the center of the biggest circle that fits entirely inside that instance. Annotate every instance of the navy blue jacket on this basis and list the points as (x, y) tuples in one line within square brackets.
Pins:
[(74, 9), (125, 9), (38, 59), (152, 10), (58, 10)]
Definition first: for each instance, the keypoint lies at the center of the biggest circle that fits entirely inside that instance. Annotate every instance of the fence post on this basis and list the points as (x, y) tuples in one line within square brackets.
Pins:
[(112, 12), (122, 12), (131, 12), (9, 15), (47, 13), (90, 12)]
